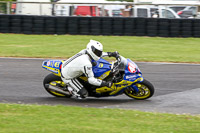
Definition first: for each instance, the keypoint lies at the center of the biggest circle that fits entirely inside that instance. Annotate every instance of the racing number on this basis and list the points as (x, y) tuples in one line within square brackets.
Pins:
[(131, 67), (56, 64)]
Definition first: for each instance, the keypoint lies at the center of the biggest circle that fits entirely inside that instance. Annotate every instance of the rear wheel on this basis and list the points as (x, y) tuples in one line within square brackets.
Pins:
[(145, 90), (57, 82)]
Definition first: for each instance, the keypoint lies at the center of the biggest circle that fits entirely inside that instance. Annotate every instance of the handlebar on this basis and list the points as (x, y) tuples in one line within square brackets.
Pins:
[(114, 69)]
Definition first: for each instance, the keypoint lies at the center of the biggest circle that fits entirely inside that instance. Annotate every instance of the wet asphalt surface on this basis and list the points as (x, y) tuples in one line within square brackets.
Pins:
[(177, 87)]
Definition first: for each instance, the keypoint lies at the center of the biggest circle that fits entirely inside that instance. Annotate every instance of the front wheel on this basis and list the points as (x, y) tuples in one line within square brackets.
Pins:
[(56, 82), (145, 90)]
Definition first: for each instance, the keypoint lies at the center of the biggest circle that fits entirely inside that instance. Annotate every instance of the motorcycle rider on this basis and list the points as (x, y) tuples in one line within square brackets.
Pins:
[(81, 63)]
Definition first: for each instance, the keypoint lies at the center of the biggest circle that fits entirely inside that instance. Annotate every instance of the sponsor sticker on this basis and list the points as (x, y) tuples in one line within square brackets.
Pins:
[(131, 67), (48, 63), (101, 65), (131, 76)]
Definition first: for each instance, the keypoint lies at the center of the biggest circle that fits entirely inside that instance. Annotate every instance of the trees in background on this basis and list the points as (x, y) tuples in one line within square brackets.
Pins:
[(3, 6)]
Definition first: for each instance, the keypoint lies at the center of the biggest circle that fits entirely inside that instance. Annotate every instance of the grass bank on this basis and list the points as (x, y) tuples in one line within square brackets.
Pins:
[(63, 119), (137, 48)]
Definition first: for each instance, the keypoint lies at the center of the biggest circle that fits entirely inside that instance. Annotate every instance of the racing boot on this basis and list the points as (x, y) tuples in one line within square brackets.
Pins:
[(80, 94), (83, 93)]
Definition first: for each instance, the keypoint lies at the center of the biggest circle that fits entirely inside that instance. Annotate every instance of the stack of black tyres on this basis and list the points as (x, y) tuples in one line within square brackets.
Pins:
[(38, 25), (84, 25), (196, 28), (61, 25), (129, 26), (152, 27), (49, 25), (73, 25), (27, 24), (175, 27), (15, 24), (186, 28), (100, 26), (106, 26), (163, 27), (118, 26), (4, 24), (140, 27), (95, 26)]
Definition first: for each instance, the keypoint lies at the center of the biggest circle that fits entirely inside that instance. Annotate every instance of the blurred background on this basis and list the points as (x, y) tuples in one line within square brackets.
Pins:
[(109, 8)]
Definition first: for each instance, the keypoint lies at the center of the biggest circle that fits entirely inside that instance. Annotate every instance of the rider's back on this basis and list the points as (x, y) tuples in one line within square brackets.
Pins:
[(74, 66)]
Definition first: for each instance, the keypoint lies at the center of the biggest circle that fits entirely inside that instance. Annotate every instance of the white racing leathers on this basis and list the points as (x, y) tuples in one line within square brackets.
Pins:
[(76, 66)]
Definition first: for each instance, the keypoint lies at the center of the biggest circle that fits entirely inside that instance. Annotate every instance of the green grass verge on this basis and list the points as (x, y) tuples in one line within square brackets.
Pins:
[(16, 118), (136, 48)]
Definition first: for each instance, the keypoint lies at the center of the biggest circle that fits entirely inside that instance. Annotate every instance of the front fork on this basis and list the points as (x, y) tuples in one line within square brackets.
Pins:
[(134, 86)]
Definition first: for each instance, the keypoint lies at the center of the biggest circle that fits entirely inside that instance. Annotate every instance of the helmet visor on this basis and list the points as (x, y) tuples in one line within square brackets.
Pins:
[(96, 51)]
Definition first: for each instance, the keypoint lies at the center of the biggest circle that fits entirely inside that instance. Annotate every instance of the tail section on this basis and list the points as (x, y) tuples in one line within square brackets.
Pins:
[(53, 66)]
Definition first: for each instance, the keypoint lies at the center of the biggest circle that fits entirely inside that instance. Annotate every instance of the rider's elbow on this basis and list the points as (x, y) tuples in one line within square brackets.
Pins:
[(94, 81)]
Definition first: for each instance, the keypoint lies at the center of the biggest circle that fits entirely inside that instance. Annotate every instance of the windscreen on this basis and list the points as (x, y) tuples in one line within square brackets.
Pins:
[(122, 64)]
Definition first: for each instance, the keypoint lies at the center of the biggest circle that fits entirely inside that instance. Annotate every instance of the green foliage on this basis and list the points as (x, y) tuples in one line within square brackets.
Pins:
[(8, 0), (3, 6)]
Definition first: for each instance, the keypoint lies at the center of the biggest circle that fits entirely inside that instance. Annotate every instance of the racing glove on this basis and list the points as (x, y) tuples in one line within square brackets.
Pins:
[(113, 54), (107, 84)]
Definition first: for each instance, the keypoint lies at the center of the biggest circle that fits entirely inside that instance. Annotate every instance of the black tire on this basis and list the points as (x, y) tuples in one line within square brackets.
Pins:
[(119, 22), (53, 78), (175, 25), (175, 20), (152, 32), (140, 26), (15, 24), (154, 24), (27, 32), (37, 29), (38, 21), (186, 24), (175, 28), (163, 27), (129, 22), (27, 28), (163, 35), (146, 90), (174, 33), (27, 25), (128, 30), (140, 34), (141, 21), (163, 20), (152, 27), (95, 22), (186, 29), (61, 30), (163, 24), (104, 22), (129, 26), (196, 24)]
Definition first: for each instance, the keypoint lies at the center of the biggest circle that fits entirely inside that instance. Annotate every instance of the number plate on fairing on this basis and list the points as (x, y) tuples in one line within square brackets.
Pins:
[(53, 65)]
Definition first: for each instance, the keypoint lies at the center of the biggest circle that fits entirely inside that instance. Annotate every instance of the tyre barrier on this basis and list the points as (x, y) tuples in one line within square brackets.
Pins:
[(25, 24)]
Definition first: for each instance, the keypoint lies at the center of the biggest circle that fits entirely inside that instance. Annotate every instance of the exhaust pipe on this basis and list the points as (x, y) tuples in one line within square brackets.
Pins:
[(56, 89)]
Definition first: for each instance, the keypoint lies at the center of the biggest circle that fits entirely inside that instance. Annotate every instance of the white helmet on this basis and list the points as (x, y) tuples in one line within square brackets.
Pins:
[(95, 49)]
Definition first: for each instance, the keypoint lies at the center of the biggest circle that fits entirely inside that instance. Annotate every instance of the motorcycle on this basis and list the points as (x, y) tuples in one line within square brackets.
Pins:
[(123, 73)]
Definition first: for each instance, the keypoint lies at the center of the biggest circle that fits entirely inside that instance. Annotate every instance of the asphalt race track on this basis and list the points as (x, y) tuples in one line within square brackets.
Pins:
[(177, 87)]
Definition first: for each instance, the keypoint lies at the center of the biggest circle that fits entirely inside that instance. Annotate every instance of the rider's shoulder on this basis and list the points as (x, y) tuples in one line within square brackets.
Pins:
[(83, 51)]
